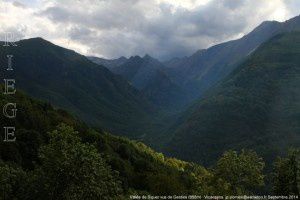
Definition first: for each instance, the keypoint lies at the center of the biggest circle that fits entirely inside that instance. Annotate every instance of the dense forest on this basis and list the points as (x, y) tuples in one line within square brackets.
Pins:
[(57, 156)]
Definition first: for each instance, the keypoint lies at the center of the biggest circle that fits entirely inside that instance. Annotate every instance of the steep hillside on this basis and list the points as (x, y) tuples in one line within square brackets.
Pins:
[(256, 106), (139, 71), (205, 68), (49, 158), (149, 76), (70, 81), (163, 92)]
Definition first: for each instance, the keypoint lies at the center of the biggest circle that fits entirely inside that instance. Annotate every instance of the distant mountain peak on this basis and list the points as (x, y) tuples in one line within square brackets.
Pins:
[(199, 52), (147, 56), (37, 40), (269, 22), (135, 57), (150, 60), (122, 58), (296, 18)]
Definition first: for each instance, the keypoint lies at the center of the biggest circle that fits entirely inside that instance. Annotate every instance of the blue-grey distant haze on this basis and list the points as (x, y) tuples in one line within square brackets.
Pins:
[(162, 28)]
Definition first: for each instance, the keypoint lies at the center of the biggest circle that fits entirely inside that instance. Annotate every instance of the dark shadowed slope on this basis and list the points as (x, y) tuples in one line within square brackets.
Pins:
[(69, 80), (257, 106), (149, 76)]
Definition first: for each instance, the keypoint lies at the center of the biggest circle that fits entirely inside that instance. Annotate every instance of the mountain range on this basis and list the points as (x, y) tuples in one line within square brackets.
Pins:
[(255, 107), (192, 76), (71, 81), (207, 67), (150, 77), (234, 95)]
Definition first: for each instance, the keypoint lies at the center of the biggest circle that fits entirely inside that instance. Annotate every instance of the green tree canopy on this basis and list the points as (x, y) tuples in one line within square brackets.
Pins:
[(286, 175), (243, 171), (13, 181), (71, 169)]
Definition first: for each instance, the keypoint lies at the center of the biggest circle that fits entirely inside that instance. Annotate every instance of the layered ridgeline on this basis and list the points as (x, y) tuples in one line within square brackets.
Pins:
[(109, 63), (149, 76), (197, 73), (257, 106), (174, 83), (71, 81), (51, 160)]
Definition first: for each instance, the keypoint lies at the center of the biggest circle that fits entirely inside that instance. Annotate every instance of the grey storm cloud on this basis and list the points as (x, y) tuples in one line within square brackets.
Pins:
[(114, 28)]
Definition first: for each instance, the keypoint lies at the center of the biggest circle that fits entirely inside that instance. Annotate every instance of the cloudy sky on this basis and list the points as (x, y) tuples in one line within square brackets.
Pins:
[(161, 28)]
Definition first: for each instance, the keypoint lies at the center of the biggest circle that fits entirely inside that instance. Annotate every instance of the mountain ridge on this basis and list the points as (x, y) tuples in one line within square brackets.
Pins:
[(254, 107), (199, 72), (70, 80), (149, 76)]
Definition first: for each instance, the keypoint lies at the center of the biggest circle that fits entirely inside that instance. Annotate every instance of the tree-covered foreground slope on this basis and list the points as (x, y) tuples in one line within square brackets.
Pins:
[(256, 107), (70, 81), (58, 157)]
